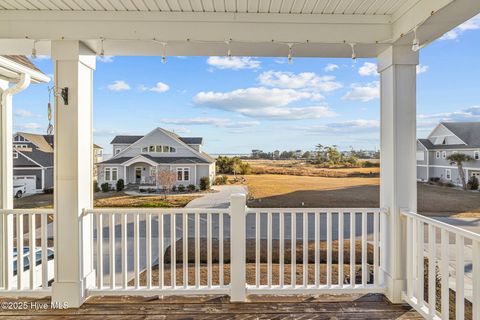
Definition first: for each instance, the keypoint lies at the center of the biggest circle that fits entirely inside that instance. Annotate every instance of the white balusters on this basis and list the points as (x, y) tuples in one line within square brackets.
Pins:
[(352, 249), (460, 277)]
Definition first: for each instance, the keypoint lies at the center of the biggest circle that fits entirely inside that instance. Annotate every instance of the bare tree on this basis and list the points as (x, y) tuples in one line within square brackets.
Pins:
[(166, 179)]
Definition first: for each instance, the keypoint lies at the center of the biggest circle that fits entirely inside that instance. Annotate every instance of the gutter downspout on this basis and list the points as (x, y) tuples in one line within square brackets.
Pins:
[(6, 178)]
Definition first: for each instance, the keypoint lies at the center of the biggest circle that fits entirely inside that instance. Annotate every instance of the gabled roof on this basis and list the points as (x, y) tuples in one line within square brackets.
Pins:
[(159, 160), (469, 132), (129, 139), (125, 139), (24, 61), (44, 143), (13, 66), (191, 140)]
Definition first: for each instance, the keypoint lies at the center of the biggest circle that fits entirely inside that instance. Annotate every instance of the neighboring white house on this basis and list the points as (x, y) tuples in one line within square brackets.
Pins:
[(137, 159), (445, 139)]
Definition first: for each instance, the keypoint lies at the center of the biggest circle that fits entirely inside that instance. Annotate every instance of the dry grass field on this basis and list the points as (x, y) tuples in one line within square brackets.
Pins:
[(297, 191), (301, 168)]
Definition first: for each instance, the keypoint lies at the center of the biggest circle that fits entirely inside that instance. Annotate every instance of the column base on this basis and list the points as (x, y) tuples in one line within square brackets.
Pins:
[(71, 294), (395, 288)]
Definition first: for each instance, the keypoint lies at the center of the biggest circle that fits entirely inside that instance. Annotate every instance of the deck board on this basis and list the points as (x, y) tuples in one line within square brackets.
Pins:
[(372, 306)]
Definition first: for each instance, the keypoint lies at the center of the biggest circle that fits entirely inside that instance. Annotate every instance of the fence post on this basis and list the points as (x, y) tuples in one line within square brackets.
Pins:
[(237, 247)]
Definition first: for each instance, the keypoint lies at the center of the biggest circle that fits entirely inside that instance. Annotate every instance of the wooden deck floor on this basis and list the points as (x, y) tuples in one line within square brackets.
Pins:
[(372, 306)]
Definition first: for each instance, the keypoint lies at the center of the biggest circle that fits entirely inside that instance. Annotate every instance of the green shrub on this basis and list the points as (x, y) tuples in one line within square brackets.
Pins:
[(191, 187), (105, 187), (120, 185), (95, 186), (473, 183), (204, 183), (181, 188), (174, 188), (219, 180)]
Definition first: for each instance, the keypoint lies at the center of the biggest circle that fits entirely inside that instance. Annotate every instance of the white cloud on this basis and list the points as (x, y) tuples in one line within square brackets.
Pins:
[(472, 24), (28, 126), (264, 102), (105, 59), (465, 114), (304, 80), (349, 126), (160, 87), (363, 92), (22, 113), (217, 122), (368, 69), (331, 67), (234, 63), (422, 68), (119, 85)]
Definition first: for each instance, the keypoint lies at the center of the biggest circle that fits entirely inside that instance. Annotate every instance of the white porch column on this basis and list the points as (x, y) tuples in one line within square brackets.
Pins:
[(6, 175), (74, 65), (398, 186)]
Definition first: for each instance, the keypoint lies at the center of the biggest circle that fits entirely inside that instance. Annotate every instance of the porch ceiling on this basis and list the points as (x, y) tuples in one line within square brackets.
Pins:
[(317, 28)]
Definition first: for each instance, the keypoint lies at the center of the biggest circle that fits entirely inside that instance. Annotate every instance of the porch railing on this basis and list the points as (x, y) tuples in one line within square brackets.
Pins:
[(443, 269), (236, 251), (28, 255)]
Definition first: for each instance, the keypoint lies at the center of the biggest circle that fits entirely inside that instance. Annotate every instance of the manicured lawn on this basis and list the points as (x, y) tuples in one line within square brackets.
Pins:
[(110, 200)]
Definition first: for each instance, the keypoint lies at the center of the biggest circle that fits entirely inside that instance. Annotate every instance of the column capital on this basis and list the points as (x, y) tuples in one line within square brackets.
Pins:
[(73, 50), (396, 55)]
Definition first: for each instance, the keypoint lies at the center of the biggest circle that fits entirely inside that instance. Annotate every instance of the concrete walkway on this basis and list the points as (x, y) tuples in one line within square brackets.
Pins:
[(219, 199)]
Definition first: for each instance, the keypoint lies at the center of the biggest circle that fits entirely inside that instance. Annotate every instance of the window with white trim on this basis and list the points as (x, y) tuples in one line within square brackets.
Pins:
[(158, 149), (444, 154), (437, 154), (15, 155), (448, 174), (117, 151), (476, 155), (111, 174), (183, 174)]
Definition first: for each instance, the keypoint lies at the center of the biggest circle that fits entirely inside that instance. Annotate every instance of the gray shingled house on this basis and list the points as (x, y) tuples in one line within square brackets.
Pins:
[(445, 139), (137, 159)]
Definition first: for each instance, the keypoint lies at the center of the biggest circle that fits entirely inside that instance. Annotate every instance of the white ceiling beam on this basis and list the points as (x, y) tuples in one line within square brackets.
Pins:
[(176, 27), (433, 18)]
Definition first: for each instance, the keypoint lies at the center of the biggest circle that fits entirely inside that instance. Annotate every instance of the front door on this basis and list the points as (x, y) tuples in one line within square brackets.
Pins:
[(138, 175)]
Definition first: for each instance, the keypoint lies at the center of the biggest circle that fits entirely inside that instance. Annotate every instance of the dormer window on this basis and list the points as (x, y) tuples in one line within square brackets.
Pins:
[(444, 141), (151, 149)]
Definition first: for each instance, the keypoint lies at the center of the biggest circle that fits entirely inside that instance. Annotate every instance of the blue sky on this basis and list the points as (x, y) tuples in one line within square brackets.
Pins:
[(240, 104)]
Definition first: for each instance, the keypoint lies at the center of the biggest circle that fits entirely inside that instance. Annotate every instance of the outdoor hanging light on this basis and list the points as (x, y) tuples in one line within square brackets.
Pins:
[(416, 42), (164, 53), (102, 52), (289, 57), (34, 50), (354, 55), (229, 51)]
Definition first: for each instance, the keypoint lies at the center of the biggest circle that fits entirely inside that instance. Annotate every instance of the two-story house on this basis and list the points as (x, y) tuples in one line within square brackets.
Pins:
[(445, 139), (137, 159), (33, 161)]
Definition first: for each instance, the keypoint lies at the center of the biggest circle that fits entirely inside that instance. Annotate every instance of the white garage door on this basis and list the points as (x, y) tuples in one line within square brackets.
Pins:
[(29, 181)]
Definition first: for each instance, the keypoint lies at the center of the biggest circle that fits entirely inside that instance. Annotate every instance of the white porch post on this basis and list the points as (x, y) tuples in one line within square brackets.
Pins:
[(74, 65), (6, 175), (398, 186)]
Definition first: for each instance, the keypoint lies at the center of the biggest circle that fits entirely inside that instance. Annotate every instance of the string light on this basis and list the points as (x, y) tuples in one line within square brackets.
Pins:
[(354, 55), (416, 42), (102, 51), (34, 50), (164, 53), (229, 51), (289, 57)]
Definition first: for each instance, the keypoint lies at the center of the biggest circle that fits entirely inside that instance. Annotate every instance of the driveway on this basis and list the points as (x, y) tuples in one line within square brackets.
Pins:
[(218, 199)]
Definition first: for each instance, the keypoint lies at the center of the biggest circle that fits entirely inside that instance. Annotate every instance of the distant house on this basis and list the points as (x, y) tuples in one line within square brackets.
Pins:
[(137, 159), (445, 139), (33, 161)]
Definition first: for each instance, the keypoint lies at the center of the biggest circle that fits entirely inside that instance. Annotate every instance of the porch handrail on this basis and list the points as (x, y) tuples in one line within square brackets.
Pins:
[(442, 225), (425, 264)]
